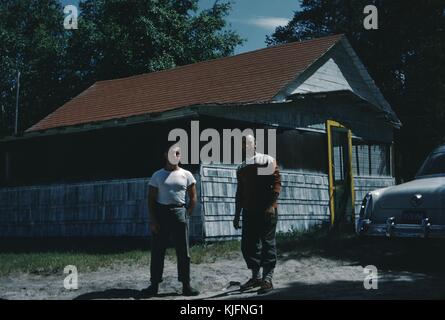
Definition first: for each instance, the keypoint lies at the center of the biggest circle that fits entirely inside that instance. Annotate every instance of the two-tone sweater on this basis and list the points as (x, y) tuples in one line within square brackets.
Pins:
[(257, 191)]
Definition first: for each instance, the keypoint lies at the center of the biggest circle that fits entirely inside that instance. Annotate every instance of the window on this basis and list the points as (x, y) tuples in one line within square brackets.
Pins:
[(302, 150), (338, 161), (360, 160), (371, 159)]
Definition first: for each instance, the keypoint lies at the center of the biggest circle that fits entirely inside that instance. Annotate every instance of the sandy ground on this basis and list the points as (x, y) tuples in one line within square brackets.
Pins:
[(297, 276)]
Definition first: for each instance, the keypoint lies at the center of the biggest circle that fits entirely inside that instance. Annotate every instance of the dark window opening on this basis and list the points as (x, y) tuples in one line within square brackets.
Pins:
[(302, 150)]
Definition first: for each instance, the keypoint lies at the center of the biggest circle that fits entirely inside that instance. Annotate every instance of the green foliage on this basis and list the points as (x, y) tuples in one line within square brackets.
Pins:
[(406, 57), (33, 41), (55, 262), (115, 38), (119, 38)]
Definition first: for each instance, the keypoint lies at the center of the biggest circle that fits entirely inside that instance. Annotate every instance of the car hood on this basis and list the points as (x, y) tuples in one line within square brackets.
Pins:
[(431, 190)]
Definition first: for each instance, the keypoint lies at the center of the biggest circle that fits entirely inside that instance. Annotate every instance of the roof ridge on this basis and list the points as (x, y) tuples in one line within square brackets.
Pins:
[(339, 35)]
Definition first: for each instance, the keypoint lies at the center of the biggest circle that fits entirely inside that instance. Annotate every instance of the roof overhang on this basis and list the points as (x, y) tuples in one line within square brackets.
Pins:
[(192, 112), (158, 117), (351, 95), (182, 113)]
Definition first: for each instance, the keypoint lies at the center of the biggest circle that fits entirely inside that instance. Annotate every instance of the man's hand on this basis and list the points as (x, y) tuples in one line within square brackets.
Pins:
[(270, 211), (154, 227), (193, 199), (236, 222)]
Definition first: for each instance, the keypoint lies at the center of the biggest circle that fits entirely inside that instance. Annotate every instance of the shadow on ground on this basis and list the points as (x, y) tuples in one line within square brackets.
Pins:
[(413, 255), (121, 294), (415, 289)]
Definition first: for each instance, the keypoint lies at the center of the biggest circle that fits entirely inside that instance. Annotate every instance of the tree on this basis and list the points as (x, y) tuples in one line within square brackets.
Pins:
[(405, 55), (115, 38), (119, 38), (32, 41)]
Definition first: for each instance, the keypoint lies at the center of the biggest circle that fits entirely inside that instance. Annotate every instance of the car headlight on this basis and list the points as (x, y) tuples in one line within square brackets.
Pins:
[(366, 207)]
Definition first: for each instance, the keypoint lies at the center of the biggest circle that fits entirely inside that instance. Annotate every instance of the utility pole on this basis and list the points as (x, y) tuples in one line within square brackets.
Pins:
[(17, 103)]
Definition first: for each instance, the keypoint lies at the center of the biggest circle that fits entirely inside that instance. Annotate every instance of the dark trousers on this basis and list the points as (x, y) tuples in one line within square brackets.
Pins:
[(172, 223), (258, 243)]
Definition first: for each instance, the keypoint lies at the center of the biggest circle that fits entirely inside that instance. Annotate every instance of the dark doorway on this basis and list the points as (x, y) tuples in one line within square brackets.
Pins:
[(341, 184)]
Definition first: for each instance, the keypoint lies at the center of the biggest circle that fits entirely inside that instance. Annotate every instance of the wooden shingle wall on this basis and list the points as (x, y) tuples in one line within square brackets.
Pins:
[(303, 201), (104, 208), (119, 207)]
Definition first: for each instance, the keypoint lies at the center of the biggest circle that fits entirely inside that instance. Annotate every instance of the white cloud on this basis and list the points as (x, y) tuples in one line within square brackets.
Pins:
[(267, 22)]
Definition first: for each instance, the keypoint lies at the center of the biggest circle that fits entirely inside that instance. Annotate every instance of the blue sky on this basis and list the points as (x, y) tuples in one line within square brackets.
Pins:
[(252, 19)]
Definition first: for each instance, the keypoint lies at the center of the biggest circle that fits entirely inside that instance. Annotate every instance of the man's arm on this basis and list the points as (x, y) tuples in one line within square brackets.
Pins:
[(152, 198), (276, 188), (238, 202), (192, 197), (276, 180)]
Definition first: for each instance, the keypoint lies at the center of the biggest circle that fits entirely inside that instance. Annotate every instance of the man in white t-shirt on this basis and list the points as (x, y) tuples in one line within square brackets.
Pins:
[(168, 188)]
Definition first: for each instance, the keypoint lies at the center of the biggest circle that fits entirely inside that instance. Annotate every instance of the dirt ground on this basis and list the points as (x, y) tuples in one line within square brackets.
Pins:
[(404, 272)]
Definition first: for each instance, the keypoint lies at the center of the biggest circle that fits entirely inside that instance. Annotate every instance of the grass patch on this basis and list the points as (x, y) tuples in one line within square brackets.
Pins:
[(46, 263), (210, 252), (313, 238), (54, 262)]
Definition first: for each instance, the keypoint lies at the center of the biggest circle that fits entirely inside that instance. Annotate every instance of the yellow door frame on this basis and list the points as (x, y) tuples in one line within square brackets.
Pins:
[(334, 124)]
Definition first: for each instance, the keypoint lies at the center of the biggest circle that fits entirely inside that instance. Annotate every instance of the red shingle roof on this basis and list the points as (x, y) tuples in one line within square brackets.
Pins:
[(255, 76)]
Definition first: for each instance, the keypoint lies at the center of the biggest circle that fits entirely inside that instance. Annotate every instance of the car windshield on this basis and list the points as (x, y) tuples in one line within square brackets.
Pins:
[(434, 164)]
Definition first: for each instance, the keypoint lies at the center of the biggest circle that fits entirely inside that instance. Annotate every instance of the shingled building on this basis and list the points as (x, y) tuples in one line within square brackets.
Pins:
[(84, 169)]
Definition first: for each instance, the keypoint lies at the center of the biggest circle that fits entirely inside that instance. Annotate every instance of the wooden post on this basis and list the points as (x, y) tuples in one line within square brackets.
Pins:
[(391, 160), (16, 127), (7, 166)]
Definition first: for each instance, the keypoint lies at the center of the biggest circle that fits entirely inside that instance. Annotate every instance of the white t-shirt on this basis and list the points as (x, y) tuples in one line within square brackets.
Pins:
[(172, 185)]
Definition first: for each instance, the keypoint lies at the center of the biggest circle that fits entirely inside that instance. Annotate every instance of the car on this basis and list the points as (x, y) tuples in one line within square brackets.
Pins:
[(415, 209)]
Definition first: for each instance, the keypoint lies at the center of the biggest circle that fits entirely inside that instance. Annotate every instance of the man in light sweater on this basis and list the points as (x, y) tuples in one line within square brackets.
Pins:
[(168, 216)]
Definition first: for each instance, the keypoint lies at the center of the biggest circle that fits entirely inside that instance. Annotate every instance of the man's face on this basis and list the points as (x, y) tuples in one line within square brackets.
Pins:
[(174, 155), (248, 146)]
